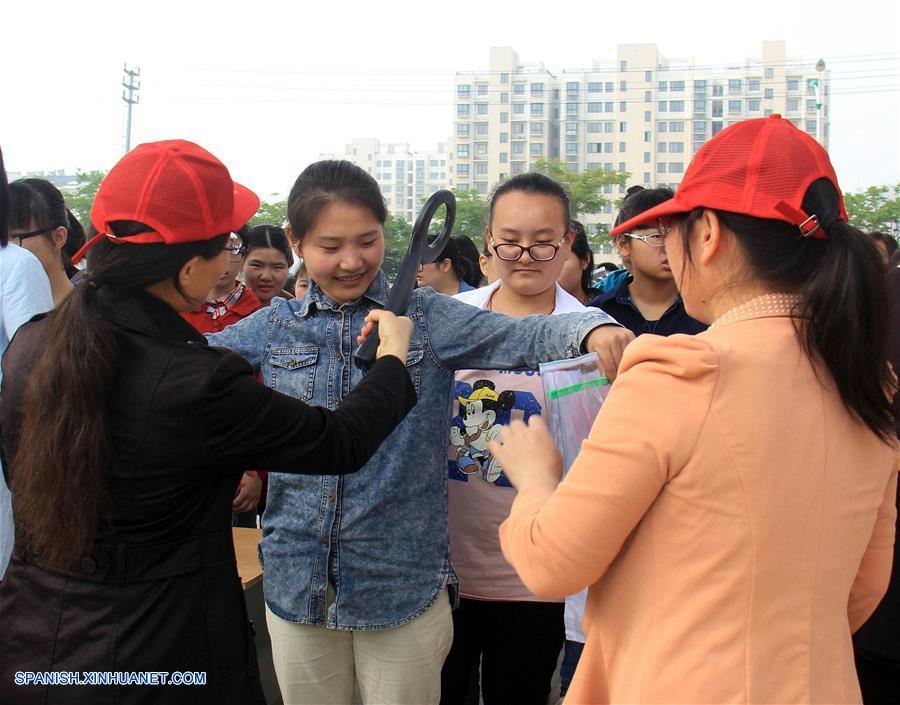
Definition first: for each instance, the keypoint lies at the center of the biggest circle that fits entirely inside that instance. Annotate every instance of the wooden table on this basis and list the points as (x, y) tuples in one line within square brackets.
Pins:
[(245, 543)]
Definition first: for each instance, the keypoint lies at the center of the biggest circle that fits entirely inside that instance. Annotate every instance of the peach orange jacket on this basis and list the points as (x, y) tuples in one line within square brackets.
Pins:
[(734, 523)]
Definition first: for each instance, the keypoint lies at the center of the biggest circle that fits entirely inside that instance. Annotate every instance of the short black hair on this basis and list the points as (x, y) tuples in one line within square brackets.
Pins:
[(530, 182), (639, 199)]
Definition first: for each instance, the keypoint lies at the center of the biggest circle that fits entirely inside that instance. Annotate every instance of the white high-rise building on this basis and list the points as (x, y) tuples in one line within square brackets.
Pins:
[(405, 177), (642, 113)]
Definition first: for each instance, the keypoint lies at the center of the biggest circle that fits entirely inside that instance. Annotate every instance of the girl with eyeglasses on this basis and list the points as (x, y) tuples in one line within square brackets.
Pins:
[(513, 634), (40, 222), (733, 508), (647, 301)]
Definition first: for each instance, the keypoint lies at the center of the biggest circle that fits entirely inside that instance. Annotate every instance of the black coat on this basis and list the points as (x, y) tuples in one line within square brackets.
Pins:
[(160, 590)]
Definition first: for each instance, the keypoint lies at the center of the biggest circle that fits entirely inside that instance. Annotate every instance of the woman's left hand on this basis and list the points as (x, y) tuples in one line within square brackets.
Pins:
[(247, 495), (528, 455)]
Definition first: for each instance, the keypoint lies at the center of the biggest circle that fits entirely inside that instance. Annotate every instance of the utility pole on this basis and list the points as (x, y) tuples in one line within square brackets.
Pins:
[(131, 97)]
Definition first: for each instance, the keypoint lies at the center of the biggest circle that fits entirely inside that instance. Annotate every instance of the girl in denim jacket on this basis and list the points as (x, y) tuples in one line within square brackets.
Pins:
[(357, 567)]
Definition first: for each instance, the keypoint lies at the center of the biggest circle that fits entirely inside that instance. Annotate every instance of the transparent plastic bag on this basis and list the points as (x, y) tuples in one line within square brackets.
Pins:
[(574, 391)]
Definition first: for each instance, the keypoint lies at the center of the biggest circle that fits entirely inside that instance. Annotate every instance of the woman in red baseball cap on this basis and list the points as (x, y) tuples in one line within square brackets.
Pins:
[(125, 436), (733, 508)]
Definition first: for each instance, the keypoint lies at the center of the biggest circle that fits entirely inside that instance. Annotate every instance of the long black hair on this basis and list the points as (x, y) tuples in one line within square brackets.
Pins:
[(64, 445), (581, 248), (268, 236), (842, 319)]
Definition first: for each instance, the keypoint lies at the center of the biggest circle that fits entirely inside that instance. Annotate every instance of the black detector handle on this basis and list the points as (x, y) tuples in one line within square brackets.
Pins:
[(420, 252)]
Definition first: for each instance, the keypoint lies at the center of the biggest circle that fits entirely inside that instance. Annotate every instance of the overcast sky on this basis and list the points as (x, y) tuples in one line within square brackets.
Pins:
[(269, 86)]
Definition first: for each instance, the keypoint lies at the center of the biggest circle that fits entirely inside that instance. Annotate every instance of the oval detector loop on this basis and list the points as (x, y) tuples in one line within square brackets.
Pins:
[(420, 252)]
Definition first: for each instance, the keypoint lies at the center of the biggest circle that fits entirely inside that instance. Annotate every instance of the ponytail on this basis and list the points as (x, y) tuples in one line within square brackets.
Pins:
[(842, 318), (64, 447)]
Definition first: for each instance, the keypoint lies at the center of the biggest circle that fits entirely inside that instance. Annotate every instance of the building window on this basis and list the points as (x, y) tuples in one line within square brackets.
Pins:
[(811, 105), (661, 168), (646, 177), (518, 148), (663, 106), (463, 186), (676, 86), (482, 89), (571, 108), (536, 149), (676, 147), (504, 78), (769, 93), (718, 90), (571, 147), (793, 83), (481, 168), (463, 90), (608, 127), (593, 107), (623, 65), (481, 128), (662, 86), (608, 107), (572, 128), (793, 105), (647, 116), (622, 126), (594, 147), (462, 110), (700, 86), (770, 74), (504, 137), (462, 170), (648, 76), (753, 85), (481, 108), (504, 118), (572, 87), (504, 157), (537, 129), (537, 108), (622, 147), (646, 157), (716, 127), (607, 166), (462, 150), (717, 108), (753, 105), (537, 89), (518, 89), (594, 127), (462, 130), (607, 147), (518, 108), (623, 85), (504, 98), (676, 126), (518, 128), (676, 167), (481, 149), (699, 106), (734, 106), (648, 136), (609, 86), (661, 147), (595, 87), (700, 127), (734, 85), (676, 106), (662, 126), (623, 106), (648, 97), (622, 166)]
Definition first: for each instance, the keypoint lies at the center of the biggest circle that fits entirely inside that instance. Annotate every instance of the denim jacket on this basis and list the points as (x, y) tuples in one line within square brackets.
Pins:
[(370, 550)]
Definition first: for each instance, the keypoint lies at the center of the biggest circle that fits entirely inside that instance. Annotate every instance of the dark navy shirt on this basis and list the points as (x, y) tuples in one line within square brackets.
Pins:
[(618, 304)]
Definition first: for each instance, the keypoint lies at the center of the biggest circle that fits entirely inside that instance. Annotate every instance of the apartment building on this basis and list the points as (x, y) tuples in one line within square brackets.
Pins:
[(405, 177), (642, 113)]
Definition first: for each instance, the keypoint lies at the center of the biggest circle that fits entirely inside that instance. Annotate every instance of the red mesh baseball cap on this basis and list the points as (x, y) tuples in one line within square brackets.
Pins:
[(177, 188), (761, 168)]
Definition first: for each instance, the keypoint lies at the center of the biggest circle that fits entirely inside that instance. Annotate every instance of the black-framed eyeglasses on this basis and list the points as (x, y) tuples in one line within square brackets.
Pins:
[(657, 239), (540, 252), (235, 246), (33, 233)]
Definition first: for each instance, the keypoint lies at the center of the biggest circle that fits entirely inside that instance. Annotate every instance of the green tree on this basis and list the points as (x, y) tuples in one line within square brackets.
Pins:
[(585, 192), (876, 208), (80, 198), (270, 212), (471, 215), (396, 243)]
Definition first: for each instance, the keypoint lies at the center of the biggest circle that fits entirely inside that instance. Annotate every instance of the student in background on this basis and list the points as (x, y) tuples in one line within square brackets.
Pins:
[(733, 509), (448, 273), (578, 267), (39, 221), (358, 583), (24, 293), (648, 300), (301, 282), (500, 624), (267, 262), (469, 251), (230, 300)]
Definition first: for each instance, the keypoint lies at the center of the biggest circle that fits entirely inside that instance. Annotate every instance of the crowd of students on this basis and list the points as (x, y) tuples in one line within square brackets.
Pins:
[(728, 524)]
